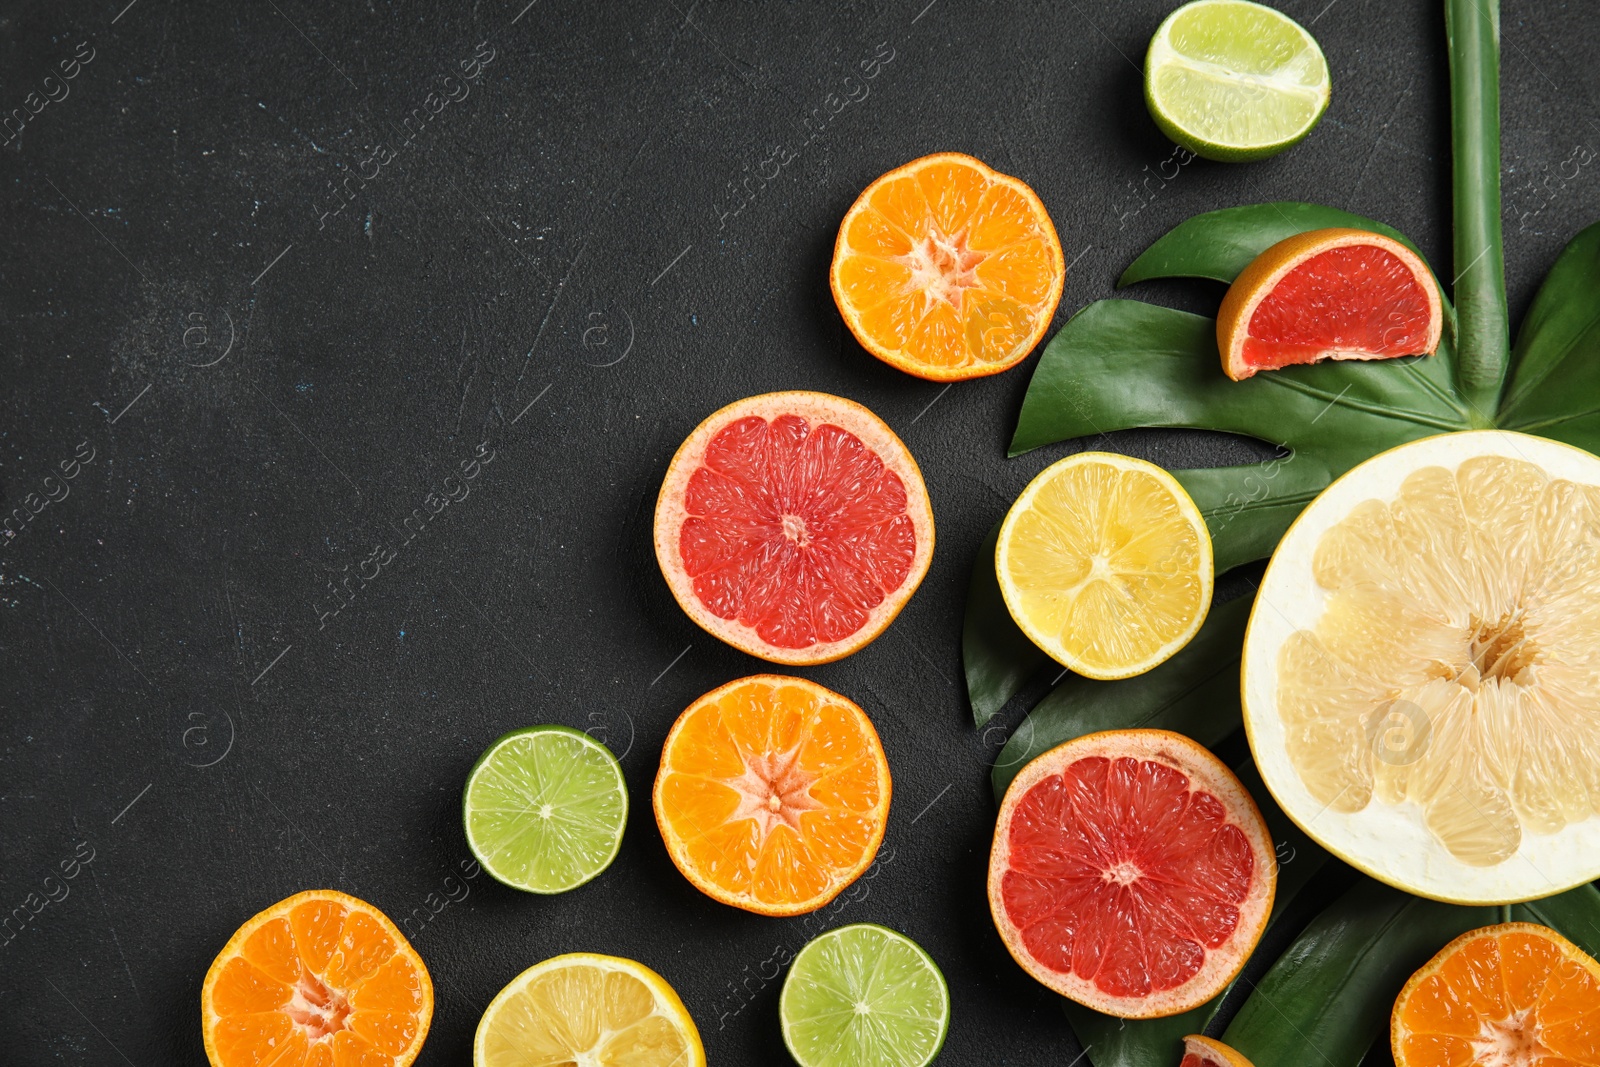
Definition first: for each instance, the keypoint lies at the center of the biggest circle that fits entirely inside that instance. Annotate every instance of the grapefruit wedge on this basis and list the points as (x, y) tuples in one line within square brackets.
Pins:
[(1329, 294), (794, 526), (1131, 872)]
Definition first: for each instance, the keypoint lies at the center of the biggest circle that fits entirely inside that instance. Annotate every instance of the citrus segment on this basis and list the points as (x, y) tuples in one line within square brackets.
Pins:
[(1329, 294), (1234, 81), (544, 809), (1131, 872), (773, 794), (1105, 563), (1422, 664), (584, 1008), (947, 269), (1201, 1051), (793, 526), (1512, 995), (863, 996), (317, 980)]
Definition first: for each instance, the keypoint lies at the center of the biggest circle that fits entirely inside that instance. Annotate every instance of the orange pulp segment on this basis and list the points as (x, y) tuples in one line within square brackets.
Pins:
[(947, 269), (773, 794), (318, 980), (1512, 995)]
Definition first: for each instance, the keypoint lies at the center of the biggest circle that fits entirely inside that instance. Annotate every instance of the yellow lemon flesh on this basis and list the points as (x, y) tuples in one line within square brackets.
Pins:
[(1105, 563)]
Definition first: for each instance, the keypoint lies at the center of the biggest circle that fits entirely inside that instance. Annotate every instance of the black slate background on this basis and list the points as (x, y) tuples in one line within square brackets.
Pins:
[(556, 239)]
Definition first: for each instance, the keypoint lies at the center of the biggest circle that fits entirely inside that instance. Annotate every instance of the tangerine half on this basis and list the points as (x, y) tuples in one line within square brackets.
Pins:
[(773, 794), (1511, 995), (1131, 872), (320, 979), (947, 269), (794, 526)]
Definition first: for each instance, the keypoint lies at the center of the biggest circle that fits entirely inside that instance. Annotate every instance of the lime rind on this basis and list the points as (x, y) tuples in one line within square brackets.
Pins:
[(864, 996), (544, 809), (1235, 81)]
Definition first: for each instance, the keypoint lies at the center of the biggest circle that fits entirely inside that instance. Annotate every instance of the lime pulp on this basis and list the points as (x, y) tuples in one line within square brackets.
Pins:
[(544, 809), (1234, 81), (864, 996)]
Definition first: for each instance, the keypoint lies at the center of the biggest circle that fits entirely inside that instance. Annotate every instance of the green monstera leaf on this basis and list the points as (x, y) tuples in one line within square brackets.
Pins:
[(1124, 364)]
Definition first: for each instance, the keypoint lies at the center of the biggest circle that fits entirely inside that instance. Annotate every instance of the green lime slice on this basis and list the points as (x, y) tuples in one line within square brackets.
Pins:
[(544, 809), (864, 996), (1234, 81)]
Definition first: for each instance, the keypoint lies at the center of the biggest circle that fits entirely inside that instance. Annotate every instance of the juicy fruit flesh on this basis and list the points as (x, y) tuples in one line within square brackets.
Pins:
[(860, 997), (1502, 999), (796, 530), (1354, 300), (1124, 875), (948, 267), (1456, 664), (545, 810), (1239, 76), (1106, 564), (584, 1015), (773, 792), (319, 985)]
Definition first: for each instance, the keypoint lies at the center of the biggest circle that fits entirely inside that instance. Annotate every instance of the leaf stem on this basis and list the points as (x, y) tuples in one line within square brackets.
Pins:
[(1472, 28)]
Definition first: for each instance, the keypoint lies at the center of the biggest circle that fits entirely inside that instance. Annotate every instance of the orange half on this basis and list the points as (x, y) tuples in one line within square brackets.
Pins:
[(947, 269), (1513, 995), (318, 980), (773, 794)]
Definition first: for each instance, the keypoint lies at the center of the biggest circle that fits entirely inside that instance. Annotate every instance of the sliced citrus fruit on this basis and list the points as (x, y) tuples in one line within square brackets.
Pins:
[(1512, 995), (793, 526), (864, 996), (1202, 1051), (1131, 872), (1105, 563), (1422, 666), (544, 809), (318, 980), (947, 269), (1234, 81), (589, 1010), (1329, 294), (773, 794)]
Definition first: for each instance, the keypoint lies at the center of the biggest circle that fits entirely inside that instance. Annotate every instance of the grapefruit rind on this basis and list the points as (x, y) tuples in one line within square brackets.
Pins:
[(815, 408), (899, 359), (1257, 281), (1204, 568), (677, 851), (232, 950), (1209, 1052), (1223, 964), (1390, 842)]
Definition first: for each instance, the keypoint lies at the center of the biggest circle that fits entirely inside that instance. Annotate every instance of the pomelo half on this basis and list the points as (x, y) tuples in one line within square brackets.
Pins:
[(1131, 872), (1329, 294), (1422, 667), (794, 526)]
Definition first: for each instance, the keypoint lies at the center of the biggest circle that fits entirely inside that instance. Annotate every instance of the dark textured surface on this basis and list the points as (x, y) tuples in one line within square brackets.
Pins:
[(556, 239)]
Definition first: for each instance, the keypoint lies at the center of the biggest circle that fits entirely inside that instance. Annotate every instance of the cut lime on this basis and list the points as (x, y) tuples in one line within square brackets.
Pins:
[(544, 809), (864, 996), (1234, 81)]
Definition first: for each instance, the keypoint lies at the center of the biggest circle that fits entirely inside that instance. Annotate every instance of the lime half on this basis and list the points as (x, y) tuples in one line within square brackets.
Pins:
[(544, 809), (1234, 81), (864, 996)]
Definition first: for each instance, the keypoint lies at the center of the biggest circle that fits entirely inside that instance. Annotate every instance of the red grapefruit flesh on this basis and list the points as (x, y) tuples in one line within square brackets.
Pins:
[(1131, 872), (1329, 294), (793, 526)]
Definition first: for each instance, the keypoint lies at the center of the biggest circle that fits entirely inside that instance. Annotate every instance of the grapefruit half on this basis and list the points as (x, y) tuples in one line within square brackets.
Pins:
[(1202, 1051), (1329, 294), (1131, 872), (794, 526)]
